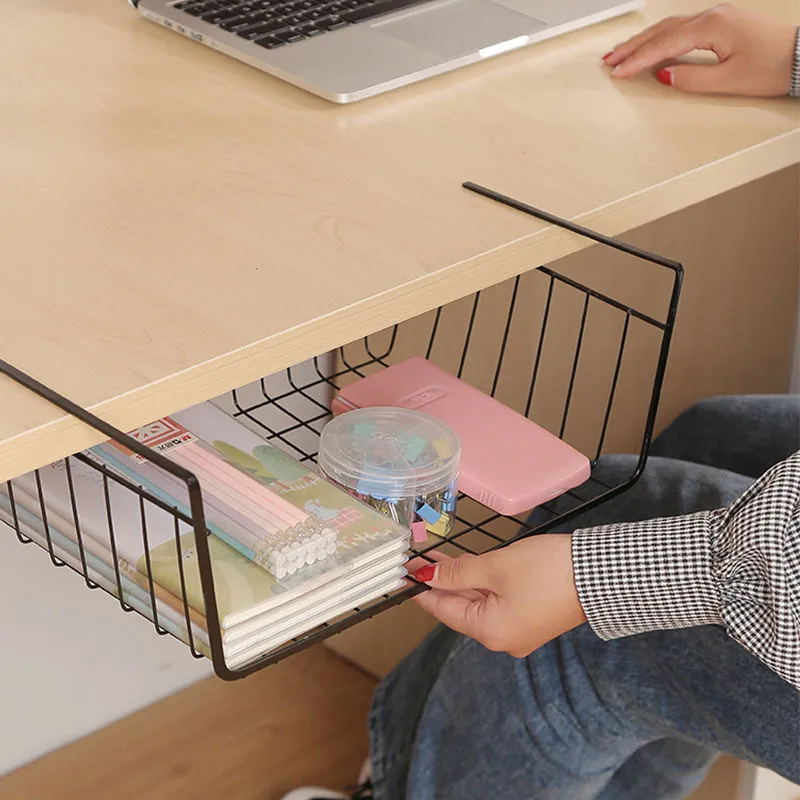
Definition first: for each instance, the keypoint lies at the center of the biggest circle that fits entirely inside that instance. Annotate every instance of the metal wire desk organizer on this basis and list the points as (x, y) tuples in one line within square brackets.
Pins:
[(291, 409)]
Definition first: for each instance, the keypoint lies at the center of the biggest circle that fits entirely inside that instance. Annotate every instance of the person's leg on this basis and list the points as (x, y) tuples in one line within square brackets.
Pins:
[(746, 435), (667, 767), (580, 719)]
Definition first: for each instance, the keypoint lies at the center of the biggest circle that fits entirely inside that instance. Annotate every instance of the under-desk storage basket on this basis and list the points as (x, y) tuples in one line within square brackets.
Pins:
[(581, 359)]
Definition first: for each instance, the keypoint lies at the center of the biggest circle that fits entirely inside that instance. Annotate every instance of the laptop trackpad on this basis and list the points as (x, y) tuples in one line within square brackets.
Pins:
[(460, 27)]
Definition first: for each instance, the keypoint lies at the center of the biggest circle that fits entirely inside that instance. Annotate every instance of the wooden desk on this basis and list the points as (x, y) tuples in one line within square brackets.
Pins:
[(175, 224)]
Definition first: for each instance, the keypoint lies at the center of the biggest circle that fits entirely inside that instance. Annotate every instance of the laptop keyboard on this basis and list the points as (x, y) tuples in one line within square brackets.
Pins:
[(275, 23)]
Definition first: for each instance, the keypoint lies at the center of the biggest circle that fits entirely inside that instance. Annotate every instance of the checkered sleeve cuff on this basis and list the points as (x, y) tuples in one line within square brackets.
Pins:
[(644, 576), (794, 89), (738, 567)]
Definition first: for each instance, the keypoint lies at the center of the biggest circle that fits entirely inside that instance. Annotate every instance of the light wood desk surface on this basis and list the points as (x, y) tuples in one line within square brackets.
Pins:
[(175, 224)]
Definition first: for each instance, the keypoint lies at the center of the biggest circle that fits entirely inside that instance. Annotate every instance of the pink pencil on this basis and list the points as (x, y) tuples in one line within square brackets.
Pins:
[(248, 486), (251, 512), (260, 517), (251, 495)]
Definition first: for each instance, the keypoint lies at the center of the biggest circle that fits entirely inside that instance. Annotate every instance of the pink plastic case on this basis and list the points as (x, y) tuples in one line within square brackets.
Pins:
[(508, 463)]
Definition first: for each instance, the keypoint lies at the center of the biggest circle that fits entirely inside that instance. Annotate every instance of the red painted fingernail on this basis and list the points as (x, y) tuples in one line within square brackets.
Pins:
[(608, 55), (665, 76), (426, 573)]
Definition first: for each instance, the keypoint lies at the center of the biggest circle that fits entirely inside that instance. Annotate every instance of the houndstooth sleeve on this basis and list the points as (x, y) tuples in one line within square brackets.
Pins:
[(738, 567)]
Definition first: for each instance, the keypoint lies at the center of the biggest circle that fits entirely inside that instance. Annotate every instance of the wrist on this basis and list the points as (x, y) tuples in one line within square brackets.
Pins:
[(559, 556)]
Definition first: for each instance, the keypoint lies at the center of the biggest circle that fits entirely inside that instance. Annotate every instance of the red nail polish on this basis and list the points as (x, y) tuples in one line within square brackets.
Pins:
[(664, 76), (426, 573), (608, 55)]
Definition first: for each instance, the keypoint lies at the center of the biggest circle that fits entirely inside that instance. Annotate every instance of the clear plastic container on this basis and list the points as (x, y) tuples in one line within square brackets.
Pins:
[(403, 463)]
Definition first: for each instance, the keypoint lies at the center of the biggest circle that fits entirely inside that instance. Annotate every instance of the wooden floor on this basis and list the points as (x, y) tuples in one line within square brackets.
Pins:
[(302, 721)]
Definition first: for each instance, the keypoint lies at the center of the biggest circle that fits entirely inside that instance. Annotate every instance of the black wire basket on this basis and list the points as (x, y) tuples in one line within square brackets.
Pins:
[(534, 319)]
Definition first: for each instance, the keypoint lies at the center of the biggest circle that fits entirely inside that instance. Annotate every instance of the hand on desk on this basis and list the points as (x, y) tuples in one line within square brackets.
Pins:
[(756, 54), (512, 600)]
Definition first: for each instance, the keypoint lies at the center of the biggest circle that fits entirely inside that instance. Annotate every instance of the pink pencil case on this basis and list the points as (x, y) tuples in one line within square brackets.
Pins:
[(508, 463)]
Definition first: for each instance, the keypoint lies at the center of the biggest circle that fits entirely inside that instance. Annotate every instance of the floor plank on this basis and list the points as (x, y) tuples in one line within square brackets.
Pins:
[(302, 720)]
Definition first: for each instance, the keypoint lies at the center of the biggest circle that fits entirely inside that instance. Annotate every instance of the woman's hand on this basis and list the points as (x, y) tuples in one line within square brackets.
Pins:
[(755, 54), (513, 600)]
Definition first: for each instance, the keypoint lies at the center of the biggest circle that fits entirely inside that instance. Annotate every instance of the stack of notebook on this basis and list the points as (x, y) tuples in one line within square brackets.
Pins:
[(348, 553)]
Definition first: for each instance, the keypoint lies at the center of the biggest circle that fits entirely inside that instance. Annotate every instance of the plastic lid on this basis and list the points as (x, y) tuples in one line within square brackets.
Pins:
[(389, 452)]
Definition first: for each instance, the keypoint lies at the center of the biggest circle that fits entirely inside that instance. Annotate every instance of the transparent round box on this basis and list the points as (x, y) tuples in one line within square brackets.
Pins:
[(403, 463)]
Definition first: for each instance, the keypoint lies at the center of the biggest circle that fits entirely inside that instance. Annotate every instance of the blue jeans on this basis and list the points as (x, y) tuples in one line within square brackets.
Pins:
[(631, 719)]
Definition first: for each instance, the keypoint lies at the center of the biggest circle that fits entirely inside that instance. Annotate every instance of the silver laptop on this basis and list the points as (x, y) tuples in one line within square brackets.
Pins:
[(347, 50)]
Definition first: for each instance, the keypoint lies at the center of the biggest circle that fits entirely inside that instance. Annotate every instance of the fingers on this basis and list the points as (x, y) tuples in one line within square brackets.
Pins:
[(716, 79), (469, 594), (460, 594), (474, 617), (630, 46), (458, 574), (416, 564), (670, 44), (452, 608)]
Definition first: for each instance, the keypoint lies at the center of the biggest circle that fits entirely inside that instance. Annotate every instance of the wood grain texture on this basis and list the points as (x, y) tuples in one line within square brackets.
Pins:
[(302, 721), (175, 224)]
